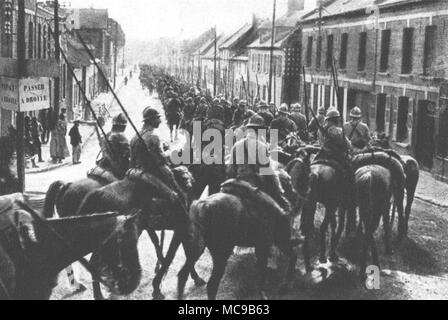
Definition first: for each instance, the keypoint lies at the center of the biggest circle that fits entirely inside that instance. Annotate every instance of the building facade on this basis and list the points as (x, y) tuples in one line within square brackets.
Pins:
[(390, 60)]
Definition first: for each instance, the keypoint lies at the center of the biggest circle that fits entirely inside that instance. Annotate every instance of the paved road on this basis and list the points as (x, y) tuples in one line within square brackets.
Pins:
[(417, 270)]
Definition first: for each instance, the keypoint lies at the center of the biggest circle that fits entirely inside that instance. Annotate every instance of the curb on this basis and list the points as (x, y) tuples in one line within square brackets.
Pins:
[(431, 202)]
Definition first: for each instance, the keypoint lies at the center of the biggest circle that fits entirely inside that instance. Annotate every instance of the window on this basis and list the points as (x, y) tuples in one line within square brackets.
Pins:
[(385, 49), (329, 51), (279, 66), (362, 51), (408, 48), (344, 47), (319, 52), (381, 113), (259, 63), (39, 42), (402, 121), (309, 52), (30, 40), (430, 48), (44, 43)]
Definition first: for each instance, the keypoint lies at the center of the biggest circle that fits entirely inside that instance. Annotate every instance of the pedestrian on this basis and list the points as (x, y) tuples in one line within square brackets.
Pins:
[(36, 134), (58, 145), (75, 141)]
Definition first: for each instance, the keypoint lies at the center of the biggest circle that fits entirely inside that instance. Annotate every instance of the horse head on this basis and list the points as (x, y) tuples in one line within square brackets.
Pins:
[(184, 178), (118, 260)]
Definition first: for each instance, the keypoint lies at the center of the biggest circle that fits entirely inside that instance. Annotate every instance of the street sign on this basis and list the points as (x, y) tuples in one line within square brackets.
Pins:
[(24, 95)]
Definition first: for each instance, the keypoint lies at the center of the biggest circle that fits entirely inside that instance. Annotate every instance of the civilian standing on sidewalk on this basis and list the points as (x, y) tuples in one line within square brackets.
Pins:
[(58, 146), (76, 141)]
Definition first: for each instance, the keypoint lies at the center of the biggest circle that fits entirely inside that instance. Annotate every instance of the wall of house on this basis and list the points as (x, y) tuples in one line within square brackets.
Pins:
[(400, 97)]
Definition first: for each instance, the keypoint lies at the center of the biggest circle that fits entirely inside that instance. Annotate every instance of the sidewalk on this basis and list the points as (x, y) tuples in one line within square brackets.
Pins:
[(87, 131), (432, 191)]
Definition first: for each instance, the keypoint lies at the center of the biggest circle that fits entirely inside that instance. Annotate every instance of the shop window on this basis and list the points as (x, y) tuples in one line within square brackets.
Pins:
[(430, 49), (309, 52), (319, 52), (402, 119), (330, 40)]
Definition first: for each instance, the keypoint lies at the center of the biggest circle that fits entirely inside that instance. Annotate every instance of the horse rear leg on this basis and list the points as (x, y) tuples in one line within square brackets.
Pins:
[(262, 253), (220, 257), (387, 230), (334, 236), (289, 251)]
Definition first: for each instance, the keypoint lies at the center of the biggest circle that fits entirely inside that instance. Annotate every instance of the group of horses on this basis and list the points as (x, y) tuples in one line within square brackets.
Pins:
[(225, 220)]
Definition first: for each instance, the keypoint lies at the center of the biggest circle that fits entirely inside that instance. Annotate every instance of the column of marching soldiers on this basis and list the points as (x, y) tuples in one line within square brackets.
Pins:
[(321, 143)]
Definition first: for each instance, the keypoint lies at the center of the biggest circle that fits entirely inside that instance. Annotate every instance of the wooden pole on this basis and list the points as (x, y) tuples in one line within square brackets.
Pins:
[(271, 65), (214, 65), (57, 51), (20, 123)]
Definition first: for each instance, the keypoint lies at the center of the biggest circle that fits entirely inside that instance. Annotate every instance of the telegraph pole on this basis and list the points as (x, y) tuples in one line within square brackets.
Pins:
[(21, 59), (57, 51), (271, 69), (115, 53), (214, 65)]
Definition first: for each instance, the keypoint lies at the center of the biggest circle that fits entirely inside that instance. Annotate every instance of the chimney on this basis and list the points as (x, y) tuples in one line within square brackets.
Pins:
[(295, 5)]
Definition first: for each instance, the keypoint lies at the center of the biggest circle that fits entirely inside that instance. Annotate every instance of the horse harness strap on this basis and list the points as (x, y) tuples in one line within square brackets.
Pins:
[(152, 180), (355, 129)]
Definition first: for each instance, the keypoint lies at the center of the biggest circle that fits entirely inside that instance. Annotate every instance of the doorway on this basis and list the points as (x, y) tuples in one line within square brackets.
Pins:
[(425, 144)]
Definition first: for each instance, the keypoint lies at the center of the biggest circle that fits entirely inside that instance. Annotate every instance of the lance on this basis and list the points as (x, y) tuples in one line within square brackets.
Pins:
[(139, 137), (88, 103), (336, 86), (311, 109)]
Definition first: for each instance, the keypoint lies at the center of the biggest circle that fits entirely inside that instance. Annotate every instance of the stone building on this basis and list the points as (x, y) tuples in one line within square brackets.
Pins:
[(390, 57)]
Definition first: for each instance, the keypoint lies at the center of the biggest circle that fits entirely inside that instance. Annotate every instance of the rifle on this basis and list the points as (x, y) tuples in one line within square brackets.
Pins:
[(139, 137), (336, 86), (311, 109)]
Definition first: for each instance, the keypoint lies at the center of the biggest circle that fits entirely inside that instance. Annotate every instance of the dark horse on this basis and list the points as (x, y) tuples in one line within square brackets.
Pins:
[(223, 221), (412, 171), (319, 183), (125, 194), (33, 255), (374, 188)]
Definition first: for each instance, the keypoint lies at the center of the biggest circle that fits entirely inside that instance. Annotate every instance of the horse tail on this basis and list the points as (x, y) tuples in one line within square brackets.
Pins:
[(195, 234), (51, 198)]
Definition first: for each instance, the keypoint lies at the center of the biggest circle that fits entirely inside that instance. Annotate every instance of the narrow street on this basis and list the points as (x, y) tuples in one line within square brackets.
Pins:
[(418, 269)]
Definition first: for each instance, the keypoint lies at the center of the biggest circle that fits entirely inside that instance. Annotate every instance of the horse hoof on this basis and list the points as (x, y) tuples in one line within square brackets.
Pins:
[(323, 260), (200, 282), (158, 296)]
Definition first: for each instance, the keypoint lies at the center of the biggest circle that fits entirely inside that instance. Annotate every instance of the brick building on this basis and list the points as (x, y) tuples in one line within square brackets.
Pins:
[(392, 63)]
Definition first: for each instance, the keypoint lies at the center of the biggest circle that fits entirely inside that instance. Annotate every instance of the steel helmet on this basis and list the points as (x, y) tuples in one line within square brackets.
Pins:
[(120, 120), (150, 114), (256, 122), (249, 114), (321, 110), (243, 103), (332, 114), (356, 113), (284, 109), (296, 107)]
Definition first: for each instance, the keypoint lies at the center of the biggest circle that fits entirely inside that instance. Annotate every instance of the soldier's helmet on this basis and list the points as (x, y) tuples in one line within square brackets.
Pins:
[(284, 110), (256, 122), (243, 103), (333, 113), (321, 111), (120, 120), (249, 114), (150, 114), (356, 113), (297, 107)]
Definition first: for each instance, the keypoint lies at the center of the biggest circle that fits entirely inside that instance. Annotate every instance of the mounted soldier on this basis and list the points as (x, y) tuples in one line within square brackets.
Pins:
[(188, 115), (250, 157), (238, 115), (201, 110), (300, 120), (149, 164), (173, 110), (357, 131), (116, 151), (283, 124), (263, 111)]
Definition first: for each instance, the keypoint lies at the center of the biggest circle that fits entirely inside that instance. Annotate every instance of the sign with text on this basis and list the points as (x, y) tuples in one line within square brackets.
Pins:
[(24, 95)]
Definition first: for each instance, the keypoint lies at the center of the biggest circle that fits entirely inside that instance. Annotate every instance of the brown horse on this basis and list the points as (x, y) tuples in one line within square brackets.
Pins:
[(32, 253), (125, 194), (319, 183), (374, 192), (223, 221)]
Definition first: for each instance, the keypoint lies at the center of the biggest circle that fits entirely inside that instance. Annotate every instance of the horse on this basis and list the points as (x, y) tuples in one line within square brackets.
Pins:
[(223, 221), (319, 183), (129, 193), (412, 171), (34, 251), (374, 188)]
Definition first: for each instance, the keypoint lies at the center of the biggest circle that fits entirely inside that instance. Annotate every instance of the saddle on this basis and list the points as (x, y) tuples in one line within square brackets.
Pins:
[(99, 173), (260, 199), (153, 181)]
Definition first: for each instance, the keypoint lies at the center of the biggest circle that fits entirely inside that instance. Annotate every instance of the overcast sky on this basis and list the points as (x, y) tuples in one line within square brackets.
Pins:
[(152, 19)]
